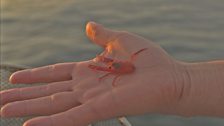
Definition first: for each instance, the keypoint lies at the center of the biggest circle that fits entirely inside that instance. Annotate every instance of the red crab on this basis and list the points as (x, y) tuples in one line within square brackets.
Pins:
[(116, 67)]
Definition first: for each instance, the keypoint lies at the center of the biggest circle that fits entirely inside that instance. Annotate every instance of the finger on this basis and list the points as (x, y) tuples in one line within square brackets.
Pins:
[(41, 106), (79, 116), (100, 35), (120, 41), (19, 94), (51, 73)]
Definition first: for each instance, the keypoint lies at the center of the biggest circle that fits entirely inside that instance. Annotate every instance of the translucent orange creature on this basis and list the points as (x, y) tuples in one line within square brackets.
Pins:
[(116, 67)]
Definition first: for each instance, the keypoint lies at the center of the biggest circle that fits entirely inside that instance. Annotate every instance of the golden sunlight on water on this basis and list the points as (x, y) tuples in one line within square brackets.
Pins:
[(26, 7), (3, 3)]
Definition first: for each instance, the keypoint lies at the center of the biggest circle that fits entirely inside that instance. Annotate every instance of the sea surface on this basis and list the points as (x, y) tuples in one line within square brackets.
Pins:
[(42, 32)]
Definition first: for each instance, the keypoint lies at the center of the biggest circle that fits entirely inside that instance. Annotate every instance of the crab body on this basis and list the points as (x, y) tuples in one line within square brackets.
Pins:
[(115, 67)]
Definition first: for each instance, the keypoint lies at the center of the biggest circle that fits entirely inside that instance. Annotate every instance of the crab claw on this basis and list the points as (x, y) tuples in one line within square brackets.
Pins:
[(104, 59)]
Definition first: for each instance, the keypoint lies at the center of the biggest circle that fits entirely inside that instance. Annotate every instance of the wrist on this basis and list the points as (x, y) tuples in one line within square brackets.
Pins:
[(202, 90)]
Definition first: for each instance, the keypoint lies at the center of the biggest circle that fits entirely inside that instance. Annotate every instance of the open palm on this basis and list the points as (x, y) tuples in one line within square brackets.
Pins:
[(74, 95)]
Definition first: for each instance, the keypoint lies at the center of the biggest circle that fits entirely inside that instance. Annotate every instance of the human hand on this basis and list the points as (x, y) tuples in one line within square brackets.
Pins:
[(74, 96)]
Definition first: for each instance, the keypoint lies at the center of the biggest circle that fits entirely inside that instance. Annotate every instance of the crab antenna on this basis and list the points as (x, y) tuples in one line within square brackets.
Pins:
[(136, 53)]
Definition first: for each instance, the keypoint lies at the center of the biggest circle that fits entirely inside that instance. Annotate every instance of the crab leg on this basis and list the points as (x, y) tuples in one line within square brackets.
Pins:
[(115, 78), (104, 76)]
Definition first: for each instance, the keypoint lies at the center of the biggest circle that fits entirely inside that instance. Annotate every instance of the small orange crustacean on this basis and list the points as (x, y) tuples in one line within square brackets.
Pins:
[(117, 68)]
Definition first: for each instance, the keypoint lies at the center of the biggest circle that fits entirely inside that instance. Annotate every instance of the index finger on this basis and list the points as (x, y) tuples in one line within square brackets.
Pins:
[(51, 73)]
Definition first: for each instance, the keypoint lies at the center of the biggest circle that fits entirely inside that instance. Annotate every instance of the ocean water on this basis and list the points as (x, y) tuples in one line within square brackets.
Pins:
[(40, 32)]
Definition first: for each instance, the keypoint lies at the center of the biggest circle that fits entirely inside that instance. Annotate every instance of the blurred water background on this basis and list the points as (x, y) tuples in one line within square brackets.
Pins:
[(42, 32)]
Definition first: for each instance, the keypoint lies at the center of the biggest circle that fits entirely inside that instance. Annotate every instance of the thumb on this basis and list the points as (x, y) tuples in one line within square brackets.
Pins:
[(100, 35)]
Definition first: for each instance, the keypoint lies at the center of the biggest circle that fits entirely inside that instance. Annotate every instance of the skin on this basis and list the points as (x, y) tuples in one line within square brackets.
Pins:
[(74, 96)]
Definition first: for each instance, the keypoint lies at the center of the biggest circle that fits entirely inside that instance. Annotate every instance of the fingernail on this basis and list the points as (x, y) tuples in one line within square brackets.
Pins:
[(15, 77), (11, 79), (91, 29), (2, 113)]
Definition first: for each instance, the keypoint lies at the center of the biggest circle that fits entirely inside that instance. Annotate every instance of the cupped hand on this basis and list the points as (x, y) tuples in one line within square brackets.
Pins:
[(74, 95)]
